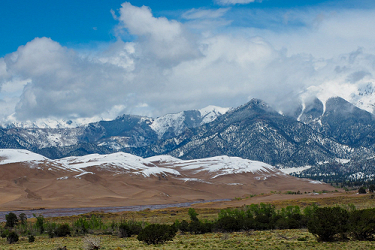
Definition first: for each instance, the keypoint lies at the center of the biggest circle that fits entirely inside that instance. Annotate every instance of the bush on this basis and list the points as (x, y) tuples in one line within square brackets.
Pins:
[(124, 230), (12, 237), (229, 224), (183, 226), (11, 220), (328, 222), (127, 229), (31, 238), (51, 229), (362, 224), (81, 226), (39, 223), (62, 230), (23, 219), (193, 214), (4, 233), (361, 190), (157, 234)]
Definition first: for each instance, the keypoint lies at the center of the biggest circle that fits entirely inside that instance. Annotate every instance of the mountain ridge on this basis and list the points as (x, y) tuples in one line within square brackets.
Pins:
[(315, 133)]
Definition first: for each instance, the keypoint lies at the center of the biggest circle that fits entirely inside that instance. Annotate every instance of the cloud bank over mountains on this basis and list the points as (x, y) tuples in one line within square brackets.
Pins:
[(208, 56)]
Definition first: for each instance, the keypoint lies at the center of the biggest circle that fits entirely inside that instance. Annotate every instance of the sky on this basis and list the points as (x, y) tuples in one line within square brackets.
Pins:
[(84, 61)]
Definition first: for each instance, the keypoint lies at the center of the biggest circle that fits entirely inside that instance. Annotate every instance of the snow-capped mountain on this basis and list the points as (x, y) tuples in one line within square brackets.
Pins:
[(126, 131), (172, 125), (318, 132)]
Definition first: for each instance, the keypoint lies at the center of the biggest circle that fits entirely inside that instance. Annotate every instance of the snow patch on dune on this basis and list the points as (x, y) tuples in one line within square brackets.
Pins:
[(8, 156), (119, 160), (225, 165)]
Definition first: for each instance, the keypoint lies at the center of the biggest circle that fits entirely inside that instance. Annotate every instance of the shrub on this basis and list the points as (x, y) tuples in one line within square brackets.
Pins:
[(11, 220), (362, 224), (95, 222), (81, 226), (327, 222), (229, 224), (157, 234), (62, 230), (23, 219), (371, 189), (183, 226), (124, 230), (51, 229), (4, 233), (31, 238), (361, 190), (12, 237), (39, 223), (193, 214), (199, 227), (127, 229)]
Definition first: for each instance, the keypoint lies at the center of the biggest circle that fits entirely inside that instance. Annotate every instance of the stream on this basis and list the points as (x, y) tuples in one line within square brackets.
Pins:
[(57, 212)]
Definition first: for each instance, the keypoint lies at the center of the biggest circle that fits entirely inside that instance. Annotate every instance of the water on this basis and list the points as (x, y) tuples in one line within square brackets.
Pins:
[(76, 211)]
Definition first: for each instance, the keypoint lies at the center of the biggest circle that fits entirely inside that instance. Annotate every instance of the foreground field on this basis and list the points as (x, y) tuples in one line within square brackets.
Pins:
[(268, 239), (275, 239)]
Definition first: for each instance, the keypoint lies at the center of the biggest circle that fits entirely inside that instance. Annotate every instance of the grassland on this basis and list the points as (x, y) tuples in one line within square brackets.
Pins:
[(271, 239), (275, 239)]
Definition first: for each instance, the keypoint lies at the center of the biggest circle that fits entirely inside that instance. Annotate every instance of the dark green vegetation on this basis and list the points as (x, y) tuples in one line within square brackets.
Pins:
[(325, 223), (157, 233)]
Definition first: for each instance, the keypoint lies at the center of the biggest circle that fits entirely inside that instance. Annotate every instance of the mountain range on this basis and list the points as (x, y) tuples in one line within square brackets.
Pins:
[(331, 140)]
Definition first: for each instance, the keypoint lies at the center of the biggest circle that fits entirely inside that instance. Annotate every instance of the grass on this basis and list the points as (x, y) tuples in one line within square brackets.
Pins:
[(275, 239)]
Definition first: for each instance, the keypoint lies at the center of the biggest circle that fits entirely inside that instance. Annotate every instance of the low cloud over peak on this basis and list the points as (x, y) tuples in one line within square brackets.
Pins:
[(168, 67)]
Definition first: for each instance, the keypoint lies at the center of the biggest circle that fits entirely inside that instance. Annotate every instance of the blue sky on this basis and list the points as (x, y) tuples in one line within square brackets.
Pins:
[(80, 23), (98, 59)]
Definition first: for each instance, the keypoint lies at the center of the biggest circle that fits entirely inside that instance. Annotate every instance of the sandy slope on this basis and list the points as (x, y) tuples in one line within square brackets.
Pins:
[(93, 182)]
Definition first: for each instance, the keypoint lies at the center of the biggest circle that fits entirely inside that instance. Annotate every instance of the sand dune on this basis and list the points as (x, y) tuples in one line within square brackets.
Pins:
[(123, 180)]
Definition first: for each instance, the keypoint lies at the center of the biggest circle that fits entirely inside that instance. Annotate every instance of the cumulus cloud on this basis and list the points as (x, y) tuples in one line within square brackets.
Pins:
[(167, 67), (164, 39), (59, 82)]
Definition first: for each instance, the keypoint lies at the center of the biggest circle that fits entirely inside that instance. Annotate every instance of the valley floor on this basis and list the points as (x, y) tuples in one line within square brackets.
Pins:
[(275, 239)]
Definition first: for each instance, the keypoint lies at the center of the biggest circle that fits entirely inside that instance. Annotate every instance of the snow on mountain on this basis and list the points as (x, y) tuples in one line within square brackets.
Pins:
[(360, 93), (294, 170), (174, 121), (210, 113), (53, 123), (178, 122)]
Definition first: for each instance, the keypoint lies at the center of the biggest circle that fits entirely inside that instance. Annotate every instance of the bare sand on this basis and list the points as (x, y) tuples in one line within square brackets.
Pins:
[(26, 188)]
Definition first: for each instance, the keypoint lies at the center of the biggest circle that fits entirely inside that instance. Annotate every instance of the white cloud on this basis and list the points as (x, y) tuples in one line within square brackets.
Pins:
[(169, 68), (232, 2), (321, 32), (204, 13), (160, 37)]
